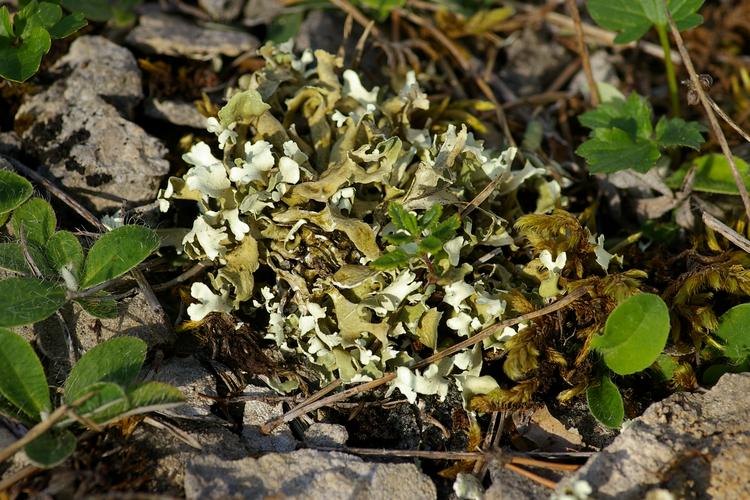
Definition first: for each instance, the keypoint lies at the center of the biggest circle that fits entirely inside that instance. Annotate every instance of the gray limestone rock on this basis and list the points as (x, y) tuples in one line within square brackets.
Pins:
[(222, 10), (193, 380), (694, 445), (77, 131), (109, 70), (257, 413), (172, 36), (261, 11), (320, 434), (305, 474)]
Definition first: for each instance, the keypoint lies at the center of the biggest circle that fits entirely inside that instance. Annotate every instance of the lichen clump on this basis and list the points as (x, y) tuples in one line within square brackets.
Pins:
[(313, 168)]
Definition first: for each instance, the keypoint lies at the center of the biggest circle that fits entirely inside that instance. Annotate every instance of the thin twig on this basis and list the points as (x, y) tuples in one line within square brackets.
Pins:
[(41, 428), (583, 51), (697, 87), (302, 409), (433, 455), (530, 475), (18, 476), (726, 231)]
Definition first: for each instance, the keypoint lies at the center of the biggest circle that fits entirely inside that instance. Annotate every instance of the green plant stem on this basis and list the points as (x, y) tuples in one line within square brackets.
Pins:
[(671, 78)]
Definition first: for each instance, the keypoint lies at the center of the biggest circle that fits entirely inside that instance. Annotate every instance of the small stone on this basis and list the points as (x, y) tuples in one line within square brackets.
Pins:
[(305, 474), (105, 68), (262, 11), (167, 35), (651, 453), (79, 134), (193, 380), (257, 413), (320, 434), (222, 10), (176, 112)]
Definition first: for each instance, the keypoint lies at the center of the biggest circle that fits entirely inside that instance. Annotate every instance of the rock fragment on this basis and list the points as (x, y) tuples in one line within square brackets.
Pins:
[(77, 130), (168, 35), (694, 445), (320, 434), (305, 474)]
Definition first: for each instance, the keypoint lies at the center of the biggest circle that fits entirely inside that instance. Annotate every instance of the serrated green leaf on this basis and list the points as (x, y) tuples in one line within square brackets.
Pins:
[(67, 25), (633, 115), (671, 132), (431, 244), (398, 238), (65, 251), (118, 360), (27, 300), (403, 219), (633, 18), (51, 448), (14, 189), (613, 149), (38, 220), (605, 403), (22, 379), (712, 174), (116, 253), (430, 218), (446, 229), (734, 330), (392, 260), (635, 334)]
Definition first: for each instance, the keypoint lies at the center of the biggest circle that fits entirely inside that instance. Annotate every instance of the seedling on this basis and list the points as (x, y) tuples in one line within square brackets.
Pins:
[(623, 135), (25, 38), (52, 265), (633, 18), (100, 389), (420, 238), (634, 336)]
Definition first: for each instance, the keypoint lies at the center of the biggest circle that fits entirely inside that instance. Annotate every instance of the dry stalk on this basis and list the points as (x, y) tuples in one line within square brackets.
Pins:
[(583, 51), (697, 87)]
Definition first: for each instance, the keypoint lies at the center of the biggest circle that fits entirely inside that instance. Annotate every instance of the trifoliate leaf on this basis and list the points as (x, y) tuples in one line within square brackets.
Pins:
[(613, 149), (633, 18), (672, 132), (633, 115)]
